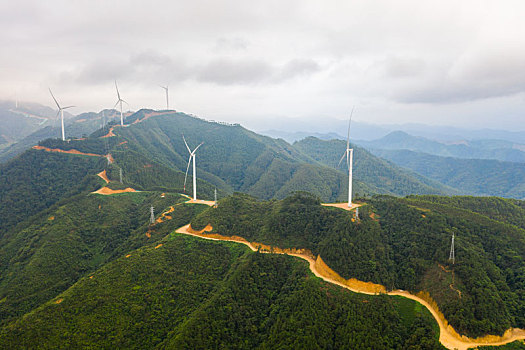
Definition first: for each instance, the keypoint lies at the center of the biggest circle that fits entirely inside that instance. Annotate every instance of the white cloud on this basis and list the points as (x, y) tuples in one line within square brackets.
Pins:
[(250, 59)]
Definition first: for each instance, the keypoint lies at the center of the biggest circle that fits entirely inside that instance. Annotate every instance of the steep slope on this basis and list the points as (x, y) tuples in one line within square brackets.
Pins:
[(53, 250), (475, 149), (510, 211), (379, 174), (470, 176), (192, 294), (399, 243), (37, 179)]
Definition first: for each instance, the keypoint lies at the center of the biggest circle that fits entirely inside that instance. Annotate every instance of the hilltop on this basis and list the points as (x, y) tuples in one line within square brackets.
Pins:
[(402, 243)]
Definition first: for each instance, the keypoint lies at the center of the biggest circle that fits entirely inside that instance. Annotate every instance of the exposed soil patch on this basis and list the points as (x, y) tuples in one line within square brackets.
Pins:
[(149, 115), (71, 151), (104, 176), (107, 191), (110, 133), (342, 205)]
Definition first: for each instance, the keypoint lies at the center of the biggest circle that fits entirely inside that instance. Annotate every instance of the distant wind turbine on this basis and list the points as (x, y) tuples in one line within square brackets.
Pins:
[(61, 112), (167, 96), (192, 156), (349, 154), (119, 101)]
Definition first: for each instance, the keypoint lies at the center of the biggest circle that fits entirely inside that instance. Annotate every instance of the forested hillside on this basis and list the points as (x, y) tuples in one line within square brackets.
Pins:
[(192, 294), (50, 252), (472, 176), (231, 157), (236, 159), (38, 179), (399, 243)]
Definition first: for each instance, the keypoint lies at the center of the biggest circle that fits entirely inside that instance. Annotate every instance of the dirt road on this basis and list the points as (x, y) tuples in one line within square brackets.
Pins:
[(447, 335)]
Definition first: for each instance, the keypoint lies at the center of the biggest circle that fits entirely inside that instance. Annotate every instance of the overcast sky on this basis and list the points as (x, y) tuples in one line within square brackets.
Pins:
[(458, 63)]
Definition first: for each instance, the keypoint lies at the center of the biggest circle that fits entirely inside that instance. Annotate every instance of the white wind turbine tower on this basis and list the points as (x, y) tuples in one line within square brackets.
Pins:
[(119, 101), (349, 154), (192, 156), (61, 112), (166, 88)]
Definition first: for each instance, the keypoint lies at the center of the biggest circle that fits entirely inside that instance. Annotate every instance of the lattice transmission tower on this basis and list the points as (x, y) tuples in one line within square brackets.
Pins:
[(152, 217)]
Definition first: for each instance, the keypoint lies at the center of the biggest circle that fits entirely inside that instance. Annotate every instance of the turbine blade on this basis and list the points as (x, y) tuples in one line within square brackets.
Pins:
[(116, 87), (116, 104), (197, 148), (343, 157), (58, 113), (54, 98), (188, 147), (187, 169), (349, 123), (68, 107)]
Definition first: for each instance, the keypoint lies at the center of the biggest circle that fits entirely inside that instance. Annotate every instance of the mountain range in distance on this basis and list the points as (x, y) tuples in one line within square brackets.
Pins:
[(294, 129), (502, 150), (310, 159)]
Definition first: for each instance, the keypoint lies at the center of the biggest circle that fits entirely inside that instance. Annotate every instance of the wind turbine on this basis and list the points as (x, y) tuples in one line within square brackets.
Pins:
[(192, 156), (61, 112), (349, 154), (167, 96), (119, 101)]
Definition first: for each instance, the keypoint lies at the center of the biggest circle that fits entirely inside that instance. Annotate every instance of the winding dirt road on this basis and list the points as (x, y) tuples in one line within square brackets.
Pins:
[(447, 335)]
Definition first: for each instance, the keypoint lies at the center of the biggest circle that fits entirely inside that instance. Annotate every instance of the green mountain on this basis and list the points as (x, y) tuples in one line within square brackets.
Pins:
[(473, 149), (379, 174), (235, 159), (470, 176), (36, 180), (401, 243), (76, 127), (48, 253)]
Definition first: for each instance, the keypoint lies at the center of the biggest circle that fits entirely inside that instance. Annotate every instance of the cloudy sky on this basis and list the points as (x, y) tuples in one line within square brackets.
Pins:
[(458, 63)]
